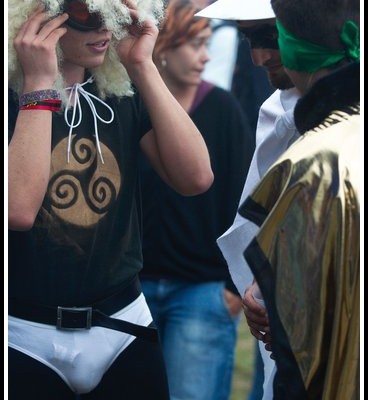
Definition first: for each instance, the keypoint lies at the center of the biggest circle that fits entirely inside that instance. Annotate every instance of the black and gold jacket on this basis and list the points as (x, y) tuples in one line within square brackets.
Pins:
[(306, 255)]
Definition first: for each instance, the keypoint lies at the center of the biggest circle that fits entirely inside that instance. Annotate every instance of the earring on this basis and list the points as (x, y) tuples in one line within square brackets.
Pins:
[(163, 62)]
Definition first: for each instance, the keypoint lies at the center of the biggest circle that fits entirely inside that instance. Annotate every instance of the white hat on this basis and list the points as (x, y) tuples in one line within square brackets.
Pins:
[(238, 10)]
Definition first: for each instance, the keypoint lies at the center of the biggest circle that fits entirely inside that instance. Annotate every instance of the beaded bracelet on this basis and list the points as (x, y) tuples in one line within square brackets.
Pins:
[(38, 95)]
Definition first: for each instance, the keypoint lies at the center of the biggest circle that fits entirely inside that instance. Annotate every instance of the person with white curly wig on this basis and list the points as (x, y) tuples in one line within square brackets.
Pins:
[(84, 99)]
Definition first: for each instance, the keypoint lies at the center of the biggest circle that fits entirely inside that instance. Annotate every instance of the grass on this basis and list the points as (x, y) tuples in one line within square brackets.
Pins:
[(244, 358)]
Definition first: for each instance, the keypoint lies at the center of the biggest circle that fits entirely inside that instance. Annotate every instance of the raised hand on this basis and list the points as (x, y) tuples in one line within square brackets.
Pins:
[(35, 45), (137, 47)]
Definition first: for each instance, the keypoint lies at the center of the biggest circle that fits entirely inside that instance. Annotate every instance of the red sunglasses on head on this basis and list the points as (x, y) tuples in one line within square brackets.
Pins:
[(79, 16)]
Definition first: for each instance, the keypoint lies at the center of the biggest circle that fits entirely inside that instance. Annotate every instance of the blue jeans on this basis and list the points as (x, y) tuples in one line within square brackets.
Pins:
[(198, 336)]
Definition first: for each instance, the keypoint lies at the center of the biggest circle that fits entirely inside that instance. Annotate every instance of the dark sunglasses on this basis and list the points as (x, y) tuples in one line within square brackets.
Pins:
[(79, 16), (261, 36)]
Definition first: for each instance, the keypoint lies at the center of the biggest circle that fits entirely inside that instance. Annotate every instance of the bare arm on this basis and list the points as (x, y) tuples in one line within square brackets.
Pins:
[(175, 147), (30, 147)]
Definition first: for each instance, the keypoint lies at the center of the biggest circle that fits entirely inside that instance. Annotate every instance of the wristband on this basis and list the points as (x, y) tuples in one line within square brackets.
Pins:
[(51, 105), (39, 95)]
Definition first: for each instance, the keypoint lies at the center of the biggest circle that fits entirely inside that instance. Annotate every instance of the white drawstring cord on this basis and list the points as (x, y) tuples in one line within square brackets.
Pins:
[(75, 90)]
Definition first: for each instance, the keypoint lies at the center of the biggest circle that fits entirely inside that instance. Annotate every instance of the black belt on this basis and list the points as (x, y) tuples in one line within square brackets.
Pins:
[(80, 318)]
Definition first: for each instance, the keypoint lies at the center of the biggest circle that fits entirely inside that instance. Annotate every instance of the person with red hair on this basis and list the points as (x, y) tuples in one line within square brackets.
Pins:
[(185, 278)]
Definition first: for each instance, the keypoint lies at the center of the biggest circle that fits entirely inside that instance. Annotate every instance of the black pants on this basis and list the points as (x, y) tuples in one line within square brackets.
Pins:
[(137, 374)]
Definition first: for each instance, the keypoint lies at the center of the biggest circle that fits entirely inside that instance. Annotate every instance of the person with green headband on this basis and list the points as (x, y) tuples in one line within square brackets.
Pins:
[(306, 254), (301, 55), (317, 42)]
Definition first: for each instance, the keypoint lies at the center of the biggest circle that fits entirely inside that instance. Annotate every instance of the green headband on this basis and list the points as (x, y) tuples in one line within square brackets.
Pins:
[(300, 55)]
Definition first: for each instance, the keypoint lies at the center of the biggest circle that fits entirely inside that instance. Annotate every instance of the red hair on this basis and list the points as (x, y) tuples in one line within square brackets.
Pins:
[(178, 26)]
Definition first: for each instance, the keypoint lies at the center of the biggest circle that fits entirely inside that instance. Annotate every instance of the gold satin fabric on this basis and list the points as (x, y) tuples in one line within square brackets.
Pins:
[(311, 238)]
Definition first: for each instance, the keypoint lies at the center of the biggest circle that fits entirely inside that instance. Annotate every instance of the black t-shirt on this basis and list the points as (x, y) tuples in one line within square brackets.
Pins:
[(180, 232), (86, 241)]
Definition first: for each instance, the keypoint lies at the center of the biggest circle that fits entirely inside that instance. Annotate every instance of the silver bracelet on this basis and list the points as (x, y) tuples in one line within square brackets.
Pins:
[(39, 95)]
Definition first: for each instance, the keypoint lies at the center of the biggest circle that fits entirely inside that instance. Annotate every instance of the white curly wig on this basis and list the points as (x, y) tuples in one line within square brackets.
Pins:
[(111, 77)]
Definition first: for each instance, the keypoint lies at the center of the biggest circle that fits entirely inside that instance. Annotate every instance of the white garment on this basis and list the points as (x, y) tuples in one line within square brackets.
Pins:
[(269, 369), (275, 133), (79, 357), (222, 49)]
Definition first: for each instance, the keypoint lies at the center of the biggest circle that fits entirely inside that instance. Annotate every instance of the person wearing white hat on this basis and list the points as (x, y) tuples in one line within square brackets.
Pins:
[(275, 133), (306, 255)]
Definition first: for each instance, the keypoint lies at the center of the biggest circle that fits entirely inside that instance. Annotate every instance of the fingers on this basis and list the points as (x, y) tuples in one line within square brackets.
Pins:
[(260, 327), (132, 10), (138, 27), (31, 25), (256, 333), (265, 338), (253, 310), (255, 314), (53, 27), (36, 44), (39, 25)]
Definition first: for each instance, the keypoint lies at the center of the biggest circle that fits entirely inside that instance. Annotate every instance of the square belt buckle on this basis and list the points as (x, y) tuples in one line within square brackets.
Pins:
[(74, 318)]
